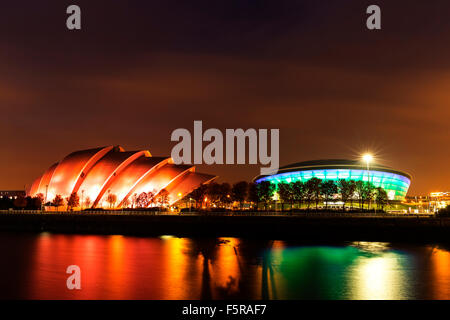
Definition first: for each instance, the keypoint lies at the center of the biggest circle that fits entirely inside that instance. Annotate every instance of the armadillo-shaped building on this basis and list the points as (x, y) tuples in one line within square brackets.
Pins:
[(96, 173)]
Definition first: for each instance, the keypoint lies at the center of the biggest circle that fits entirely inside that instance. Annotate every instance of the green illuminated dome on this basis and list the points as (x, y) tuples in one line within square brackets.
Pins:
[(396, 183)]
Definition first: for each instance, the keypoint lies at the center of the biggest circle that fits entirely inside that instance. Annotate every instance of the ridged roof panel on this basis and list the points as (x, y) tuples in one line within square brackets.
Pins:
[(94, 173), (70, 169)]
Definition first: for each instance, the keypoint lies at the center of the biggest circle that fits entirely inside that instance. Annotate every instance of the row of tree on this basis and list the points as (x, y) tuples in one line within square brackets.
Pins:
[(142, 200), (316, 190), (222, 195), (308, 193), (20, 203)]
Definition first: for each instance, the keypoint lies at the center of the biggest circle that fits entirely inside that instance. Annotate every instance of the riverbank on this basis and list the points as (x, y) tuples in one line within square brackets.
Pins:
[(301, 227)]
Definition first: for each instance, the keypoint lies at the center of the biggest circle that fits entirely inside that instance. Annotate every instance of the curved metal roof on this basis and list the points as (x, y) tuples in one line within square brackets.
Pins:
[(100, 171), (336, 164)]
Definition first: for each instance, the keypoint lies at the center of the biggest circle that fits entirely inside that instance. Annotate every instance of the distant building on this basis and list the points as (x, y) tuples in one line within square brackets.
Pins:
[(418, 204), (12, 194), (439, 200)]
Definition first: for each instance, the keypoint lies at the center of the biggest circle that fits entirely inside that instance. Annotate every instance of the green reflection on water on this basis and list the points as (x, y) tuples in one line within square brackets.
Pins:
[(359, 271)]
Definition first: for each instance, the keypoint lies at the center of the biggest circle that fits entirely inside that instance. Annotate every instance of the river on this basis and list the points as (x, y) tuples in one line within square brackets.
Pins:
[(33, 266)]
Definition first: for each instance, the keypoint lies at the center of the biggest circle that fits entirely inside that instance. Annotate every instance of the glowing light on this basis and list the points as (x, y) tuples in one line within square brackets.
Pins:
[(367, 157), (379, 278)]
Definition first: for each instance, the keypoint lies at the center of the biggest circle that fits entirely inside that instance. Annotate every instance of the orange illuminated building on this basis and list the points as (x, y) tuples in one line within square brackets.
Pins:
[(95, 173), (439, 200)]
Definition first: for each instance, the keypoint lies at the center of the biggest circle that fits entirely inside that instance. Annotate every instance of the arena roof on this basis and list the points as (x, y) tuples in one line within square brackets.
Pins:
[(336, 164)]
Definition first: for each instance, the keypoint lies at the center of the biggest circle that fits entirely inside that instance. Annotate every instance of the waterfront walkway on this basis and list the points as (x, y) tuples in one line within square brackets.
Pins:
[(269, 225), (312, 213)]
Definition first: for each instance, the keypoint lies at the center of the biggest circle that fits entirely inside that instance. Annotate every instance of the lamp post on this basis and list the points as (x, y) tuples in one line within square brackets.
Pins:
[(82, 204), (180, 196), (46, 193), (368, 158)]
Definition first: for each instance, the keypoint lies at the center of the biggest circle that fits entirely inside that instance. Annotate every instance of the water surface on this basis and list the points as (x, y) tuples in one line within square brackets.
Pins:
[(33, 266)]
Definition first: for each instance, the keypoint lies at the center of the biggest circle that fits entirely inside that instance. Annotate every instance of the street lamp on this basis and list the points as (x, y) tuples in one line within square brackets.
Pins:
[(46, 193), (368, 158)]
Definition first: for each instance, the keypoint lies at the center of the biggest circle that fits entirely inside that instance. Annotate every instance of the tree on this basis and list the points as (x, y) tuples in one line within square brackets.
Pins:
[(20, 202), (198, 194), (239, 192), (265, 191), (34, 203), (87, 202), (142, 200), (224, 194), (134, 200), (298, 192), (111, 199), (253, 194), (308, 193), (163, 198), (58, 201), (359, 192), (126, 203), (286, 194), (370, 193), (381, 197), (328, 189), (72, 201), (313, 186), (150, 198), (214, 193), (39, 200), (346, 189), (364, 192)]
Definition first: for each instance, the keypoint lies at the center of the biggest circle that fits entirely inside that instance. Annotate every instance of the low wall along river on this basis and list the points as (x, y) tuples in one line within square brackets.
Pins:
[(317, 227)]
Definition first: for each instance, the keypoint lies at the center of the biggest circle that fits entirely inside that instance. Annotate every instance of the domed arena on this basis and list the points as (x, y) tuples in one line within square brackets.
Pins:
[(96, 173), (395, 183)]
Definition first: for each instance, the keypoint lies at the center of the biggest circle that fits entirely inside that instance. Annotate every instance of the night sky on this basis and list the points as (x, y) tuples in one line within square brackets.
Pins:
[(140, 69)]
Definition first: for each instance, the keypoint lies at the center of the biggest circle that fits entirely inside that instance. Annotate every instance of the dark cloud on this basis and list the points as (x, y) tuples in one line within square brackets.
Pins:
[(140, 69)]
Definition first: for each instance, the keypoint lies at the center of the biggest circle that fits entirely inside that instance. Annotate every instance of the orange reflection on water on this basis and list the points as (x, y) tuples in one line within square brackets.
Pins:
[(226, 269), (440, 269), (181, 272), (53, 254), (115, 274)]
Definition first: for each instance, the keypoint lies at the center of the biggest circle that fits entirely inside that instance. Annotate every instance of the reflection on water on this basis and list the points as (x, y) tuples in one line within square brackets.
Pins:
[(440, 260), (379, 273), (122, 267)]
